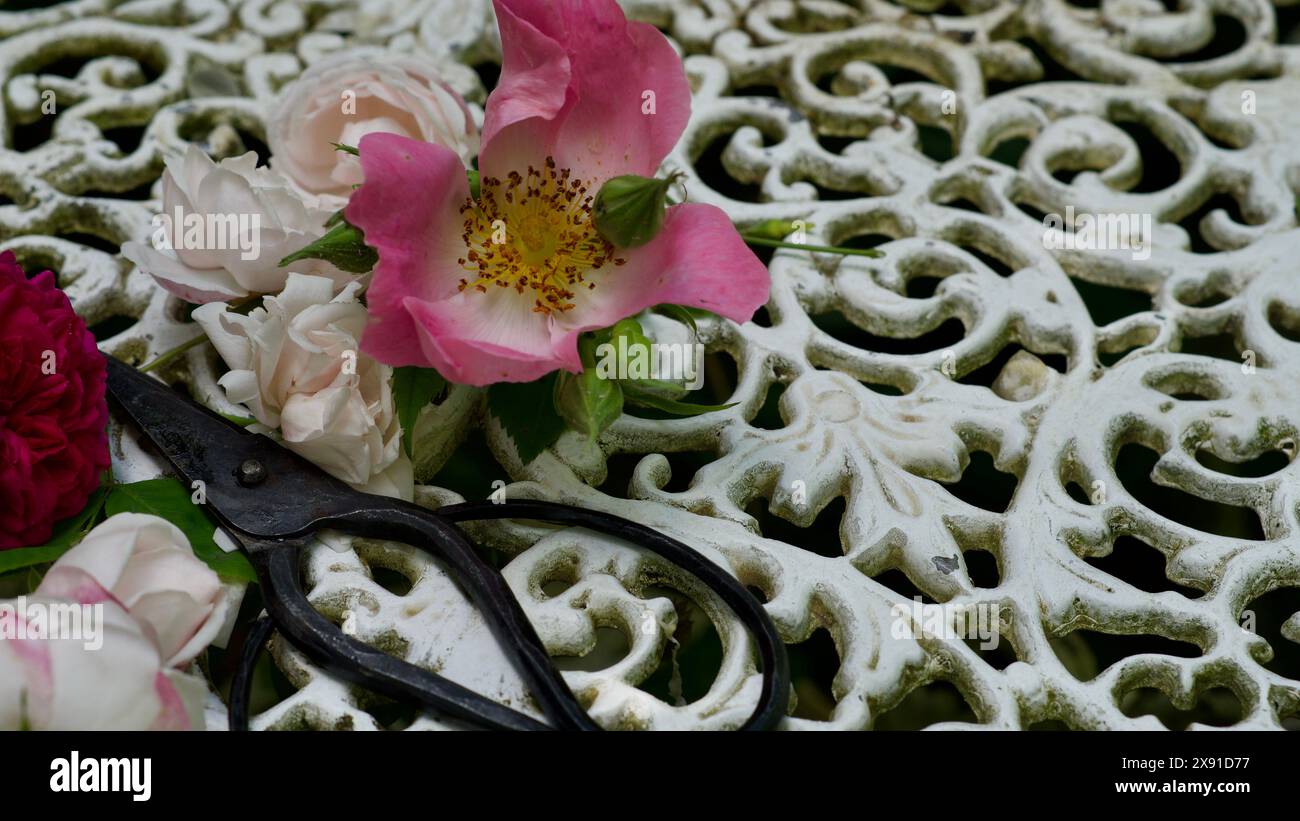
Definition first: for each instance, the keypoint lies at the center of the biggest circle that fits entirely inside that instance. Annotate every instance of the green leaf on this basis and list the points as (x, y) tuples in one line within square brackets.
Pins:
[(638, 396), (169, 499), (335, 219), (351, 149), (474, 182), (344, 247), (526, 410), (413, 389), (683, 316), (66, 535), (627, 335), (244, 421), (588, 403)]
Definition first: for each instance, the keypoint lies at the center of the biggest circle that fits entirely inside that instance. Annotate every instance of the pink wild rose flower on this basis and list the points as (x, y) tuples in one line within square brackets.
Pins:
[(498, 289)]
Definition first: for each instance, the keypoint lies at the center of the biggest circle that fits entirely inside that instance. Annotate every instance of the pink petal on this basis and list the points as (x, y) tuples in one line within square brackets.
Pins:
[(698, 260), (601, 131), (173, 715), (194, 285), (409, 209), (477, 339), (534, 77), (72, 583)]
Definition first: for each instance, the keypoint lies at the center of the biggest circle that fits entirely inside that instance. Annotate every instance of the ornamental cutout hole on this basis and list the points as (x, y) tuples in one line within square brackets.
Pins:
[(814, 663), (757, 91), (1270, 612), (139, 192), (935, 142), (1086, 653), (91, 241), (821, 537), (837, 144), (1229, 35), (610, 648), (1160, 166), (769, 415), (987, 374), (713, 171), (1108, 303), (388, 565), (1077, 493), (934, 703), (1204, 295), (963, 204), (1266, 464), (999, 657), (692, 660), (884, 388), (922, 287), (864, 241), (1134, 465), (996, 261), (1220, 346), (982, 567), (111, 326), (1215, 707), (1285, 320), (618, 474), (1200, 242), (1186, 386), (1139, 564), (983, 485), (1009, 151), (392, 716), (898, 581), (127, 138), (1112, 351), (943, 335), (28, 136), (685, 464)]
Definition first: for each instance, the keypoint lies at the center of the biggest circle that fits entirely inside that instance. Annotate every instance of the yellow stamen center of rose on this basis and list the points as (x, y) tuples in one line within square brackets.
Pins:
[(533, 233)]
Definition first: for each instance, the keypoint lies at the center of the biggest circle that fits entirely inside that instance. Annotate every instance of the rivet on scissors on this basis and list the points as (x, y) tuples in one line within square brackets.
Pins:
[(251, 472)]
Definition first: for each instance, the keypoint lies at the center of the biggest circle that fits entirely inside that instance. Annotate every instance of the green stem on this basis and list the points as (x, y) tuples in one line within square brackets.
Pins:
[(824, 249), (168, 356), (240, 306)]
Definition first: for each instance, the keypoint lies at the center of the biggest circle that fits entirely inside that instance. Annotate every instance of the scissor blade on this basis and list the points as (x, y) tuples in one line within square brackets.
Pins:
[(284, 497)]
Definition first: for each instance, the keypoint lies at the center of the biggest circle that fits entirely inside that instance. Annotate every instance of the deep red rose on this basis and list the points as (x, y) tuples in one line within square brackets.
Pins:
[(53, 413)]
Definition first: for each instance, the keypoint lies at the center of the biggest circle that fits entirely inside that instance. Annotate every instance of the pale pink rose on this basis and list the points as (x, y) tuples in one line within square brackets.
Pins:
[(236, 222), (120, 681), (296, 364), (349, 95), (147, 565)]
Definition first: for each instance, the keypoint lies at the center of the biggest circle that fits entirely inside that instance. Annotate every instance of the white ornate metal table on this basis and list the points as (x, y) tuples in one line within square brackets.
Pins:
[(1097, 447)]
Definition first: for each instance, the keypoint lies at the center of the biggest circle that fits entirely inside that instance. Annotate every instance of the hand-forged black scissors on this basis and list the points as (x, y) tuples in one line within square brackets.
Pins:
[(272, 501)]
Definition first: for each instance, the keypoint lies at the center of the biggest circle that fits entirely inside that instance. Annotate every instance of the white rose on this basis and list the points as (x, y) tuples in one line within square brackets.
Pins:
[(297, 365), (346, 96), (224, 228), (124, 683), (148, 566)]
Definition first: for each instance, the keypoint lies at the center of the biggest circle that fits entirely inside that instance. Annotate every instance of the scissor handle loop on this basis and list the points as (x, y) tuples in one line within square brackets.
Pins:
[(433, 532)]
